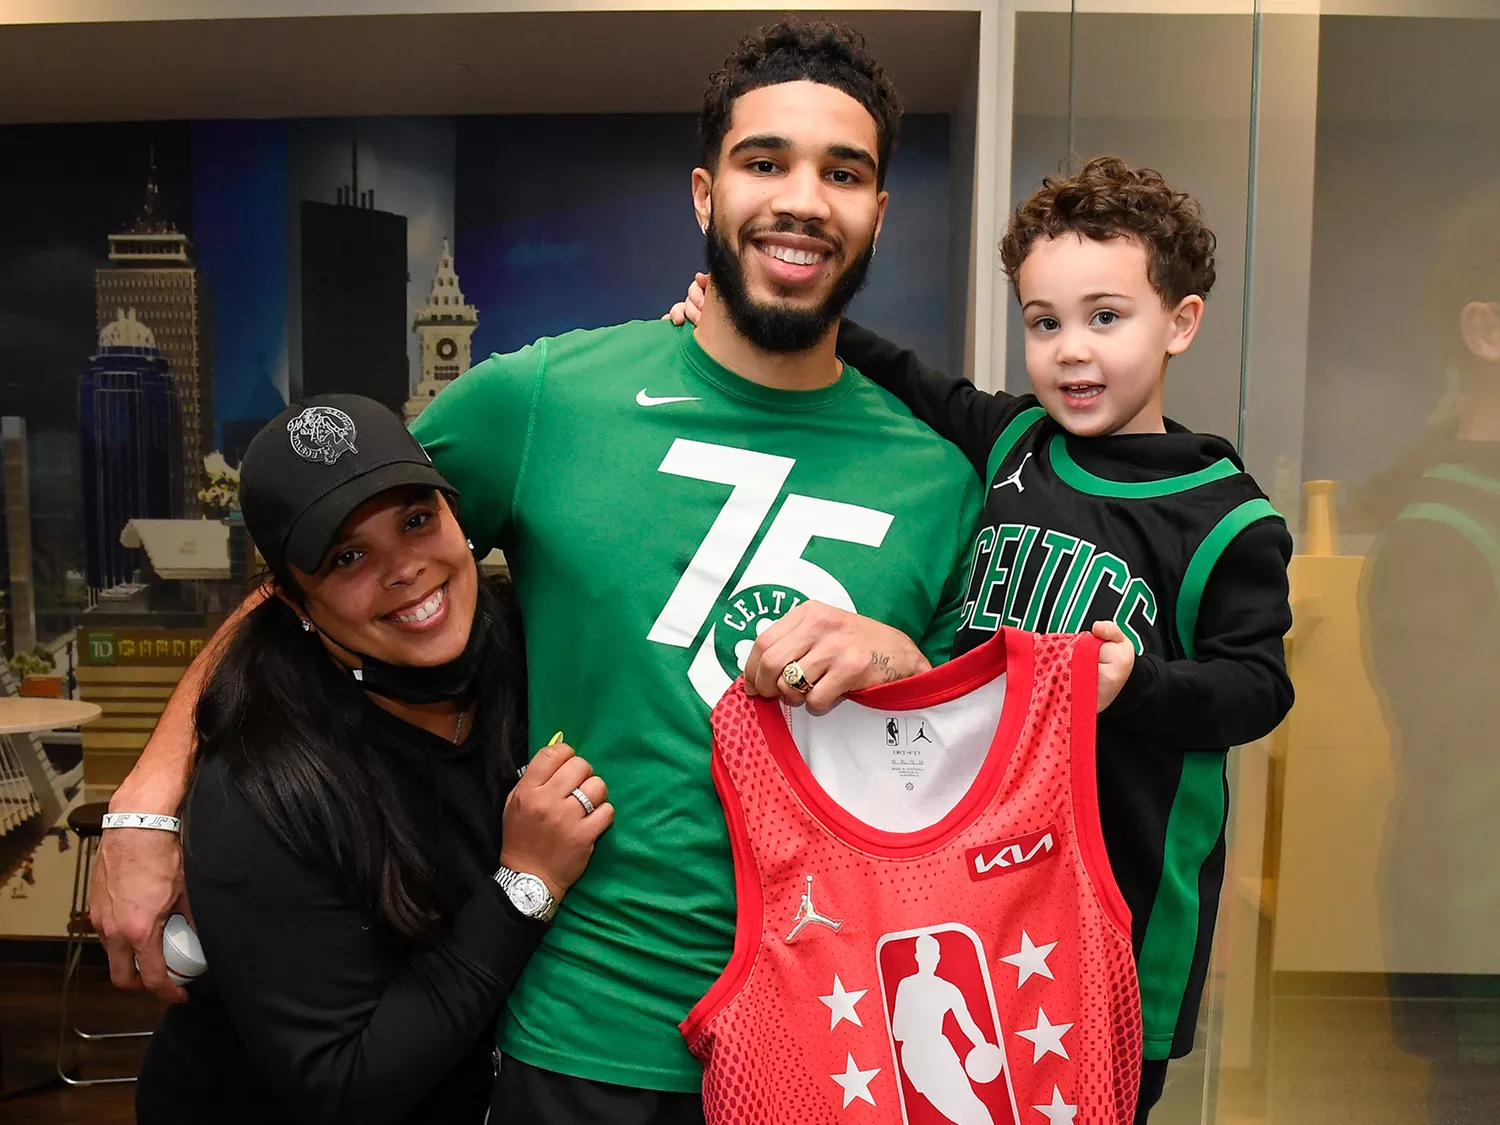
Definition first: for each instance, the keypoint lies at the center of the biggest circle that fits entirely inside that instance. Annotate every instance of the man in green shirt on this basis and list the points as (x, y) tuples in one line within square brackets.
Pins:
[(662, 495)]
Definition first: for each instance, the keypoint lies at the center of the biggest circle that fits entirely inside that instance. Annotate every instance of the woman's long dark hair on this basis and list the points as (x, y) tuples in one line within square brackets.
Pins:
[(290, 725)]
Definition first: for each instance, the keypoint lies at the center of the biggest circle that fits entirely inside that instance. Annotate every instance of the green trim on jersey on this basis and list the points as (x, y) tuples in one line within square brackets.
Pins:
[(1205, 558), (1008, 439), (1195, 822), (1480, 533), (1071, 473), (1461, 474)]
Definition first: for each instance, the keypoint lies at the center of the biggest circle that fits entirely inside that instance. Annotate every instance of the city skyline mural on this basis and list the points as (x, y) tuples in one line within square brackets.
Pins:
[(266, 260)]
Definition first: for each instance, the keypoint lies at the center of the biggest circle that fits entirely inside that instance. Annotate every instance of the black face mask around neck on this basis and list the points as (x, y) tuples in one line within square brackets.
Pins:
[(437, 683)]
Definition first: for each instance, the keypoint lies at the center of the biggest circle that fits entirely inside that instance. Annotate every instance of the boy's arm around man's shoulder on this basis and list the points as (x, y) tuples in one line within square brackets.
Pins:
[(1237, 688), (950, 405)]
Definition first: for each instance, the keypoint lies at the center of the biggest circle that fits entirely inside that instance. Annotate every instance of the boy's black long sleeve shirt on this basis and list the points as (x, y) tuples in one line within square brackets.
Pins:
[(1169, 537)]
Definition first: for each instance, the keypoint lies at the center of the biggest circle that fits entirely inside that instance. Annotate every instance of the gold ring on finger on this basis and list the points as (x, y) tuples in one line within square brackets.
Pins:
[(794, 677)]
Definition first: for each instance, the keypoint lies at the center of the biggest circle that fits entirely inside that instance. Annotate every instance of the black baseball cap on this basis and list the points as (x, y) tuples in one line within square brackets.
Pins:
[(314, 464)]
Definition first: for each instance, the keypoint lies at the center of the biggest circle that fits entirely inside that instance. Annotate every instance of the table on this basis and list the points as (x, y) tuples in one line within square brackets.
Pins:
[(32, 716), (19, 715)]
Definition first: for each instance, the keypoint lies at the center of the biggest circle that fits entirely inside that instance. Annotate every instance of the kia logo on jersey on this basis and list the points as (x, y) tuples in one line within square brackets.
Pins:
[(947, 1045), (990, 860)]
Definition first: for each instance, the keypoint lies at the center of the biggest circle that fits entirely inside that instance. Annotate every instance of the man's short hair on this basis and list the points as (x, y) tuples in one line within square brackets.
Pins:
[(796, 50), (1109, 199)]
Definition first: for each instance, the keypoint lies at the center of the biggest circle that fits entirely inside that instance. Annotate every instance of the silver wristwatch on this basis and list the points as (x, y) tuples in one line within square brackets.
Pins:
[(527, 893)]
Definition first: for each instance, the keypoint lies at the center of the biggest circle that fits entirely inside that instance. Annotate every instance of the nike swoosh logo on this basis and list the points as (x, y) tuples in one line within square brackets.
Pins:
[(643, 399)]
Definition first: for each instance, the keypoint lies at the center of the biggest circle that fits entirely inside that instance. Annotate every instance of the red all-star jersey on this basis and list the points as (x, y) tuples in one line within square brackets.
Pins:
[(973, 968)]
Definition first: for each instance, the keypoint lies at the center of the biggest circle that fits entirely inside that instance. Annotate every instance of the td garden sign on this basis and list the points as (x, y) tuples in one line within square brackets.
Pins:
[(161, 647)]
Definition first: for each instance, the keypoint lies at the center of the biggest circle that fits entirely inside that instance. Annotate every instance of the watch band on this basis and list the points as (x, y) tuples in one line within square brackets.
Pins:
[(141, 820), (506, 878)]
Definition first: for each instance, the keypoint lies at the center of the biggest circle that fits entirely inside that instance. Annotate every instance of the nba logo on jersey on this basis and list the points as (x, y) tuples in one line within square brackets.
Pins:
[(947, 1045)]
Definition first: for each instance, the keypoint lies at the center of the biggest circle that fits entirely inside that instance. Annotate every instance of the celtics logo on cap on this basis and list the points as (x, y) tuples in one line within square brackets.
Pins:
[(743, 616), (322, 433)]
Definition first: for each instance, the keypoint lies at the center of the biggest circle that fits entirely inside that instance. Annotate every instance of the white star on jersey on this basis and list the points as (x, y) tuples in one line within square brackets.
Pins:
[(1058, 1113), (856, 1082), (1046, 1037), (1031, 960), (841, 1004)]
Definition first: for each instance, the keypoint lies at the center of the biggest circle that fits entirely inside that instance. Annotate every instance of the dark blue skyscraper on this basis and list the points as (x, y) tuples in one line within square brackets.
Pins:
[(354, 318), (130, 424)]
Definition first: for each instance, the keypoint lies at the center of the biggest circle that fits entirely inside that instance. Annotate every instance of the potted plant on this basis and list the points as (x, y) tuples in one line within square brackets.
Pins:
[(37, 673)]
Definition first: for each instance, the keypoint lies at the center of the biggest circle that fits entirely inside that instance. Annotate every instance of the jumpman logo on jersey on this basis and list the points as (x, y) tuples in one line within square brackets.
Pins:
[(1015, 477), (807, 915), (921, 735)]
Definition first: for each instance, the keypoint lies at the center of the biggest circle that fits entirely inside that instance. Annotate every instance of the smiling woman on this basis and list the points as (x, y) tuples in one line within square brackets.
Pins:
[(365, 872)]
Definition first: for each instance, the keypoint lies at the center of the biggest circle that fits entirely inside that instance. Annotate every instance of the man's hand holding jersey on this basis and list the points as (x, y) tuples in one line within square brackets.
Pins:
[(817, 654), (836, 651)]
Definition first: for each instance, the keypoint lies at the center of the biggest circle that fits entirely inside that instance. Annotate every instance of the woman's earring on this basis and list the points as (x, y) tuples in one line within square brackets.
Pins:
[(306, 625), (470, 542)]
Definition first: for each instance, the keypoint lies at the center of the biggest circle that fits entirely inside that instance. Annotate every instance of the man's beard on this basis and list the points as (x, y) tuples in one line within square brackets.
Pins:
[(779, 327)]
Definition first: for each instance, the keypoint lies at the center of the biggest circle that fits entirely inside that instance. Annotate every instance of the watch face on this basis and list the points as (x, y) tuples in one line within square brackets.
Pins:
[(529, 894), (446, 348)]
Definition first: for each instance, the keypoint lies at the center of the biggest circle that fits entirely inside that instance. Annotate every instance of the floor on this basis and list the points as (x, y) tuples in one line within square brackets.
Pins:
[(1334, 1060), (28, 1029)]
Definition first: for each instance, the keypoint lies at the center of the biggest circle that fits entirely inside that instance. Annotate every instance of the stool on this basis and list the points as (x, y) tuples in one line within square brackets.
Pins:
[(87, 822)]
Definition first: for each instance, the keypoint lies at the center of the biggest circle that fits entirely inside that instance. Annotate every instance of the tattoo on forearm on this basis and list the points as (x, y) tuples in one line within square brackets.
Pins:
[(883, 662)]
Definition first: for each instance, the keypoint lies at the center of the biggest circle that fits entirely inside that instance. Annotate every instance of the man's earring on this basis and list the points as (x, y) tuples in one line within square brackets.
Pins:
[(703, 228), (470, 542), (306, 625)]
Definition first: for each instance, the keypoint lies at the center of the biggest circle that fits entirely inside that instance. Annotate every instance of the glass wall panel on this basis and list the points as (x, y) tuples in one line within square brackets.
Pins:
[(1170, 91), (1373, 380)]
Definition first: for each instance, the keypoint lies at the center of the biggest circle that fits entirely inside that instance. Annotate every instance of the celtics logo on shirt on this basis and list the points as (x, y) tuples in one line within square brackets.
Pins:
[(742, 617), (775, 573)]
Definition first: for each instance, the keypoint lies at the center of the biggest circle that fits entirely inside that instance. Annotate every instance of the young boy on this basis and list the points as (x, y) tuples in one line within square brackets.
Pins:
[(1099, 509)]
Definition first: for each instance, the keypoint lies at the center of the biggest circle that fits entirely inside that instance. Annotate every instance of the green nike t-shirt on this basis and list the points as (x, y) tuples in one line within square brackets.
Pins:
[(657, 511)]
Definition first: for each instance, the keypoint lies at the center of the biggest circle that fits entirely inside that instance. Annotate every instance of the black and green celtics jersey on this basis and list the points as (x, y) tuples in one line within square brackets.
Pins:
[(658, 511), (1430, 608), (1166, 535)]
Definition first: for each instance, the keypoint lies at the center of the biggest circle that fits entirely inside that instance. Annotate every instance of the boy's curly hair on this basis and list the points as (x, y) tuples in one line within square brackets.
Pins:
[(795, 50), (1109, 199)]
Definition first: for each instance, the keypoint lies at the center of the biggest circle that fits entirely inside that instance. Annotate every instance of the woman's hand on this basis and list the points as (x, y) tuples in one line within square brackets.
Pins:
[(1116, 659), (691, 306), (544, 831), (838, 652)]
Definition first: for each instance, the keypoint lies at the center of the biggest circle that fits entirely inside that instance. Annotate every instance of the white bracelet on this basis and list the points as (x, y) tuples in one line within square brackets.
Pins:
[(142, 820)]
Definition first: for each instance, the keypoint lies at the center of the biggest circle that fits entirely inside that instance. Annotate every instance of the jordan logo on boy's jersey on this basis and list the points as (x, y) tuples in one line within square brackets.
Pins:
[(775, 578), (1015, 477), (1049, 582)]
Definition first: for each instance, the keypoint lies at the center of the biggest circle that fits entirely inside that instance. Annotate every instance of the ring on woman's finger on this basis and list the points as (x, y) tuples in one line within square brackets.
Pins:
[(794, 676), (583, 799)]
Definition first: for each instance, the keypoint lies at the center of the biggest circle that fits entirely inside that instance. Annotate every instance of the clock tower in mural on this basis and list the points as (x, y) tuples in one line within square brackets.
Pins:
[(445, 325)]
